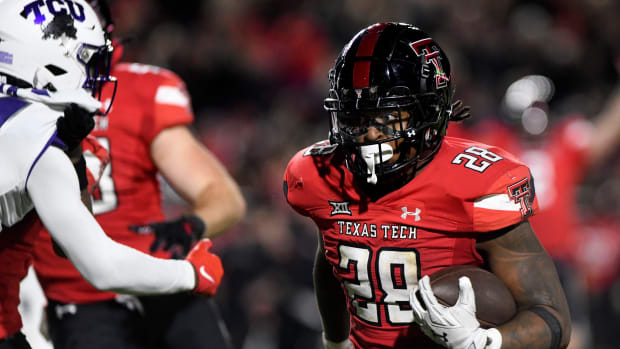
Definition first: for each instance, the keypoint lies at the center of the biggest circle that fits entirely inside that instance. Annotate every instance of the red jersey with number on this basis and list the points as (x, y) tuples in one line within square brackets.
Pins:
[(558, 163), (380, 249), (148, 100)]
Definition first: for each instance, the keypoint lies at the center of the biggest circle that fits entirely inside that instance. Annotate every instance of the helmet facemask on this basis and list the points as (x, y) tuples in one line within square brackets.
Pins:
[(410, 134), (98, 62)]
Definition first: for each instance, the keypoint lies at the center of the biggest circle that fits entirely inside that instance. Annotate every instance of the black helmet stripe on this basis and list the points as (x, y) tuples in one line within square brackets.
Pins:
[(361, 69)]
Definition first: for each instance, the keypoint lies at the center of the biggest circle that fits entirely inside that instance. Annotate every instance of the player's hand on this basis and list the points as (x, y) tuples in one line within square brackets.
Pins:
[(175, 236), (75, 125), (460, 111), (454, 327), (208, 268), (345, 344)]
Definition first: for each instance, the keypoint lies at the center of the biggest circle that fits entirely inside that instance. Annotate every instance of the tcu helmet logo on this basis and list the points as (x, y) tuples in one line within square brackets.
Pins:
[(428, 49), (522, 193), (55, 8)]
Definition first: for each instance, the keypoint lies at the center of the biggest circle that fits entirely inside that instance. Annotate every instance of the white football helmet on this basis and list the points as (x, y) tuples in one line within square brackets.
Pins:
[(54, 45)]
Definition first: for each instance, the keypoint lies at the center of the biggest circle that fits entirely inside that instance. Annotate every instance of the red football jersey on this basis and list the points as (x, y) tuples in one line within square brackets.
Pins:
[(558, 164), (379, 250), (149, 99), (16, 245)]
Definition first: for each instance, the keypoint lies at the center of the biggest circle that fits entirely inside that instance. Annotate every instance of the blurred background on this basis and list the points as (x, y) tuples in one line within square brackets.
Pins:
[(257, 74)]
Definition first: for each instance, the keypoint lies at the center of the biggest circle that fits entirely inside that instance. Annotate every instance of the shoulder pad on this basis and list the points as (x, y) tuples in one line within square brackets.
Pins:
[(323, 147)]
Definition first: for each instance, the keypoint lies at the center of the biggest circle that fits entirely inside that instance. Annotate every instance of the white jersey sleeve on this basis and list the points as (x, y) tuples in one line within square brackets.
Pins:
[(26, 130), (106, 264)]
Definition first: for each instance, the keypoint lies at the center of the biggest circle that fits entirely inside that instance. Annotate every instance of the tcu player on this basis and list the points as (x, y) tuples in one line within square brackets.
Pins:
[(145, 134), (395, 200), (51, 55)]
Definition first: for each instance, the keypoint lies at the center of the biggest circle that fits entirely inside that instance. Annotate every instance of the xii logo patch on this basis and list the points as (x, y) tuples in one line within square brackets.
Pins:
[(340, 207), (522, 193)]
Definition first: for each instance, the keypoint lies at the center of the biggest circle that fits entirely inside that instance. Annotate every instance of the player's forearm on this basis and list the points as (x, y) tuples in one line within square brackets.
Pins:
[(147, 275), (198, 176), (331, 301), (220, 206), (528, 330), (521, 262), (606, 133), (103, 262)]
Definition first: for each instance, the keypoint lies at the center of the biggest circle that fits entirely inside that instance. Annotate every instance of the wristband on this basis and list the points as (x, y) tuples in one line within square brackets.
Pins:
[(552, 322)]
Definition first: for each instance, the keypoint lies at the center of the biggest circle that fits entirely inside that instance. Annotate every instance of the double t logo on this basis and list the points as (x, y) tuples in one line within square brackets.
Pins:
[(522, 193), (430, 51)]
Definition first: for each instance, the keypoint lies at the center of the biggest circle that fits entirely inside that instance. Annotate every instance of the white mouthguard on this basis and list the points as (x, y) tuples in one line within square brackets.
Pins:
[(372, 156)]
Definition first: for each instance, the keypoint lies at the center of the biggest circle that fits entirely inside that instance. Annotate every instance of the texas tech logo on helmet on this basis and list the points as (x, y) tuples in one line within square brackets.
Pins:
[(430, 51)]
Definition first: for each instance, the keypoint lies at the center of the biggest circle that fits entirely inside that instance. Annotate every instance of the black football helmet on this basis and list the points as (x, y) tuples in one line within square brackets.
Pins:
[(385, 70)]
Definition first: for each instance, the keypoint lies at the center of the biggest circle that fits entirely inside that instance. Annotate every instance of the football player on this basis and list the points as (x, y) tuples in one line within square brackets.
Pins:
[(395, 200), (54, 57), (145, 133)]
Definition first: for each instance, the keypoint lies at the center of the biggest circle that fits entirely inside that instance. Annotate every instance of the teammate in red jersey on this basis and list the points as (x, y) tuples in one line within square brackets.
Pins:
[(395, 201), (145, 133)]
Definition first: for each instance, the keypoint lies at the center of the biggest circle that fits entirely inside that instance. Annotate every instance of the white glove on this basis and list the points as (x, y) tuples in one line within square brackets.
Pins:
[(345, 344), (454, 327)]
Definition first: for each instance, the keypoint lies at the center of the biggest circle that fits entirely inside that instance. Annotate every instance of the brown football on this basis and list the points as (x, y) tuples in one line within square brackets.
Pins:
[(494, 302)]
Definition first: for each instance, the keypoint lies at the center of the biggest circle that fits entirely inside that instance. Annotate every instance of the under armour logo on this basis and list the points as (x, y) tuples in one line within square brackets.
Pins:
[(406, 213), (443, 336), (411, 133), (340, 207)]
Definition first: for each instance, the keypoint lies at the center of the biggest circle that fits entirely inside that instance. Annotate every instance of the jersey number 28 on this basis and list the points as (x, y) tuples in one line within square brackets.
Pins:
[(394, 275), (478, 159)]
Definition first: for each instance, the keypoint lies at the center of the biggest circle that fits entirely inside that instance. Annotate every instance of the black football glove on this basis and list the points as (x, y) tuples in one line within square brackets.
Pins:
[(175, 236), (75, 125)]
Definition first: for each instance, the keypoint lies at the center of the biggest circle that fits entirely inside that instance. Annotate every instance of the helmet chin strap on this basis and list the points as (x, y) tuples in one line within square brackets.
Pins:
[(374, 154)]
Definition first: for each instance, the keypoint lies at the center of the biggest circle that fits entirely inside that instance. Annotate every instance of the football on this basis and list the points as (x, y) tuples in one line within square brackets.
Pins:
[(494, 302)]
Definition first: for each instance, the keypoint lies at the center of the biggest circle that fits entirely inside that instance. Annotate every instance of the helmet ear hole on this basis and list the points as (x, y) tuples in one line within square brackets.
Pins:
[(56, 70), (49, 86)]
